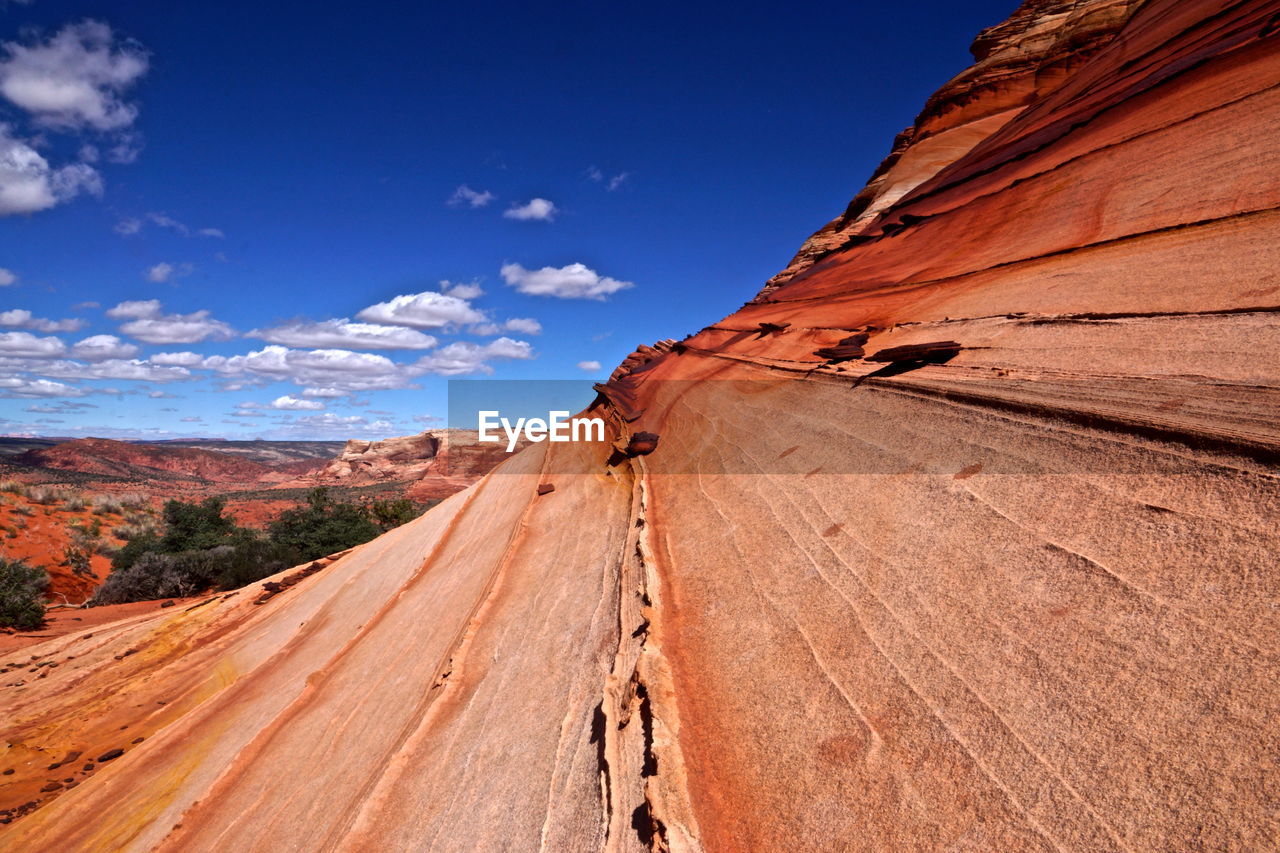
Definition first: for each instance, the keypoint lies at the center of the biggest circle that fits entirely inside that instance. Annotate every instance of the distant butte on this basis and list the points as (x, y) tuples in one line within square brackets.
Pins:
[(1020, 599)]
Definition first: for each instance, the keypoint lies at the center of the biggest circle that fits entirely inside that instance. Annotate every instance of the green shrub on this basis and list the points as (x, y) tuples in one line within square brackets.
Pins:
[(323, 526), (21, 595)]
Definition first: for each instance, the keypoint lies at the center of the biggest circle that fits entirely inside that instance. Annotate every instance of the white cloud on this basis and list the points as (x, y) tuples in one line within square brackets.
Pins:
[(166, 221), (594, 174), (103, 347), (164, 271), (176, 359), (29, 184), (463, 357), (464, 196), (325, 368), (7, 278), (27, 345), (76, 79), (133, 225), (535, 210), (326, 393), (462, 290), (575, 281), (521, 325), (148, 324), (426, 310), (134, 309), (17, 387), (128, 227), (63, 407), (344, 334), (23, 319), (293, 404), (589, 366), (135, 370)]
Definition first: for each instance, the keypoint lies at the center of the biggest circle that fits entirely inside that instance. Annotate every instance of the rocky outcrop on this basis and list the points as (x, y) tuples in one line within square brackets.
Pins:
[(436, 463), (1018, 62), (1018, 598), (404, 458)]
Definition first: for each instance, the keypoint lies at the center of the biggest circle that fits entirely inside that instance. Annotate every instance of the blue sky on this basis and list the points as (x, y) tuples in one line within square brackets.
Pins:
[(245, 220)]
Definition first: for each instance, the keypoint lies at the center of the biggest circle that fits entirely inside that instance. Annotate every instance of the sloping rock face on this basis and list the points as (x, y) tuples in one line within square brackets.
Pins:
[(1018, 62), (1004, 581)]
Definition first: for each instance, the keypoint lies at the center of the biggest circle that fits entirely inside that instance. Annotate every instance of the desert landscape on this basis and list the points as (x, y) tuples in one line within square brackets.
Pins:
[(960, 534)]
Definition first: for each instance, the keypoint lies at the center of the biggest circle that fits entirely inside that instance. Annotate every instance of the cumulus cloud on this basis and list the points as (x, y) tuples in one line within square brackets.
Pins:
[(294, 404), (7, 278), (462, 290), (575, 281), (76, 79), (464, 196), (163, 272), (28, 183), (27, 345), (520, 325), (462, 357), (523, 325), (324, 368), (210, 232), (148, 323), (135, 308), (136, 370), (426, 310), (325, 393), (103, 347), (589, 366), (19, 387), (535, 210), (177, 359), (343, 334), (20, 318)]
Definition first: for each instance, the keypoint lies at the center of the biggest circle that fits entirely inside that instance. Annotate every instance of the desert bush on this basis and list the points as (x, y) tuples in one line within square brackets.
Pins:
[(13, 487), (44, 495), (133, 501), (157, 575), (199, 547), (106, 505), (21, 595), (322, 526), (75, 503), (144, 527), (77, 557), (23, 509), (388, 514)]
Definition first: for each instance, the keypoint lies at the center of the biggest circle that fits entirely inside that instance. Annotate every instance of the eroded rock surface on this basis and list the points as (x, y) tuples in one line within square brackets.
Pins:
[(437, 463), (1021, 599)]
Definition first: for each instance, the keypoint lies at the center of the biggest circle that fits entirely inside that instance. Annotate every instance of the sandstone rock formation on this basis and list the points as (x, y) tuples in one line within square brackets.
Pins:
[(1023, 598), (437, 463)]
